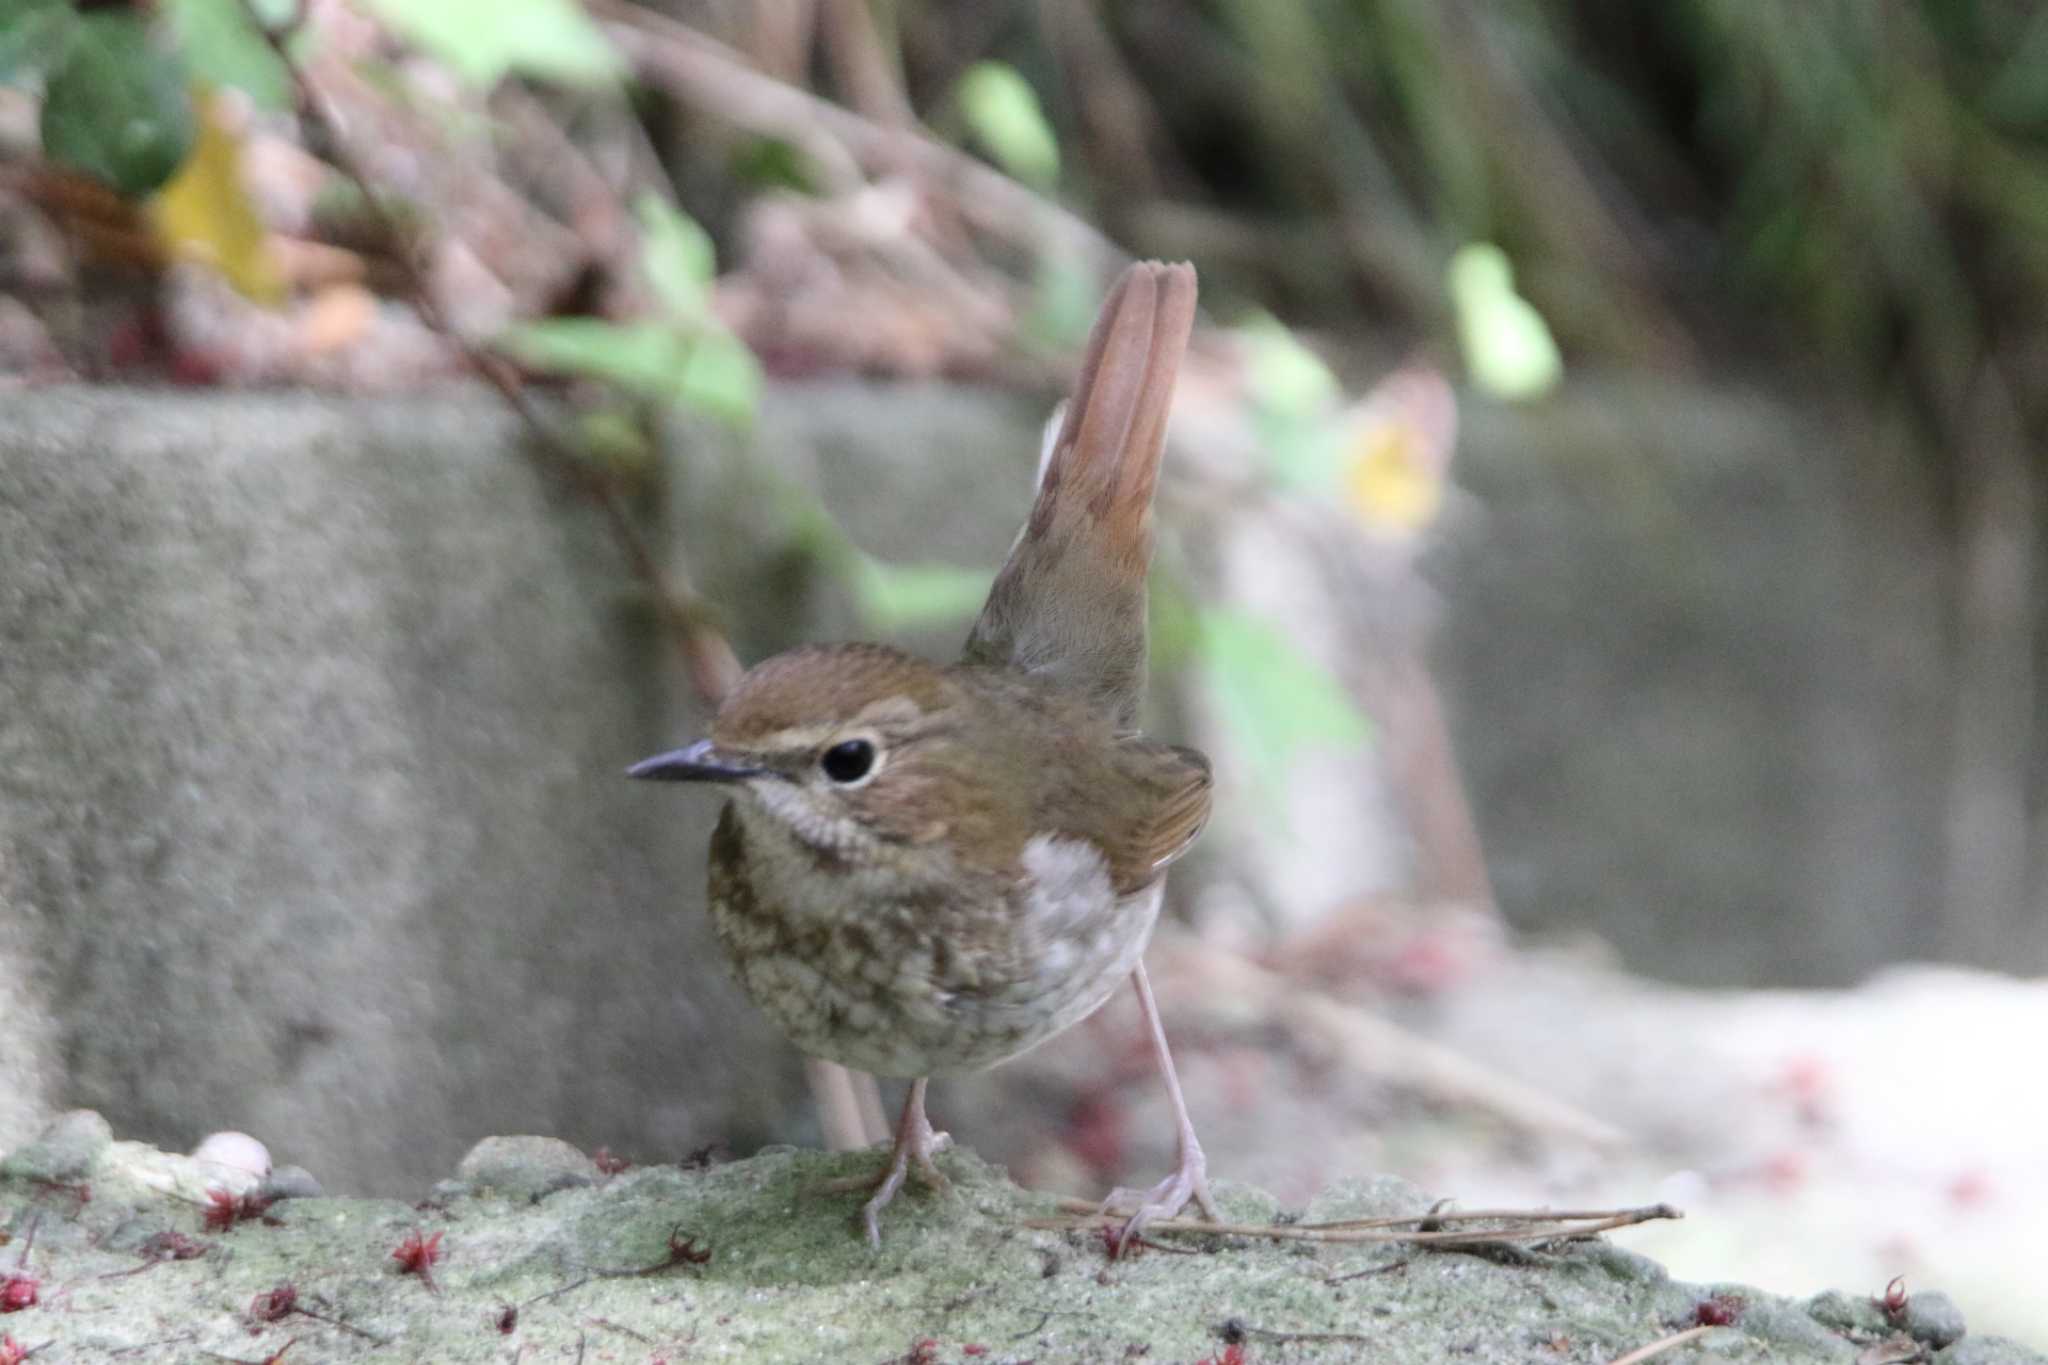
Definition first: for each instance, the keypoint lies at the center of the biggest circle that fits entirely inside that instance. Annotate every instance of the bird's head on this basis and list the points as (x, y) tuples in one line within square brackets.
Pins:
[(844, 744)]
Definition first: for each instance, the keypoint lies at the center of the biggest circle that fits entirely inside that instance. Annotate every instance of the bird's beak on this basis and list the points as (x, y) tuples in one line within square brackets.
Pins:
[(700, 762)]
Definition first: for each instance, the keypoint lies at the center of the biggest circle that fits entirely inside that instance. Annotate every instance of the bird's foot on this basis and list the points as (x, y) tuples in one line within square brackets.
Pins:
[(1189, 1183), (916, 1153), (916, 1144)]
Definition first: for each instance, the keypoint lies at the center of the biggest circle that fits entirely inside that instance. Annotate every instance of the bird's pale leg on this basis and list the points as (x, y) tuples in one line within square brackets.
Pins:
[(1190, 1179), (915, 1143)]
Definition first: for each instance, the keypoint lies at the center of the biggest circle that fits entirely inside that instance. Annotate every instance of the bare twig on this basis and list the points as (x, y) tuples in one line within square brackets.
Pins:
[(1534, 1226), (622, 1329), (863, 64), (707, 656), (557, 1293), (1236, 1330), (1386, 1268)]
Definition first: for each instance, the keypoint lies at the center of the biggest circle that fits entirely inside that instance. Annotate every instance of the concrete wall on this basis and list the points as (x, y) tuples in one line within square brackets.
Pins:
[(312, 715)]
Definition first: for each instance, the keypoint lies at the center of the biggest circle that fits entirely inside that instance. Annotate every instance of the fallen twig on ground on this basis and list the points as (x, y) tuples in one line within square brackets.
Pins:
[(1524, 1226)]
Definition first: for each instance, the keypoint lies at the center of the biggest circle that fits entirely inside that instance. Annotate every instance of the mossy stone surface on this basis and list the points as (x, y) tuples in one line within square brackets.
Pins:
[(590, 1268)]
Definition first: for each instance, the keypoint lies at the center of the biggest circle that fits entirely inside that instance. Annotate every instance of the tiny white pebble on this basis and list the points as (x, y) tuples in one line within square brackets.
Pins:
[(234, 1152)]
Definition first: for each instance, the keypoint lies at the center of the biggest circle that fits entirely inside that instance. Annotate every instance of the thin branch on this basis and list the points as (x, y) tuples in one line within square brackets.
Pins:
[(1234, 1328), (1537, 1226), (707, 655)]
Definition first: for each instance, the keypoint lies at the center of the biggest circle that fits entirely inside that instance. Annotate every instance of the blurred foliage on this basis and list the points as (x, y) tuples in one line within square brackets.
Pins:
[(115, 105), (1280, 704), (684, 356), (1003, 112), (206, 212), (1853, 192), (221, 45), (1857, 184), (1507, 347), (484, 41)]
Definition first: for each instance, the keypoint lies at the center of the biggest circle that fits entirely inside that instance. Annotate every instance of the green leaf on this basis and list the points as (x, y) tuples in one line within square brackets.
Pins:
[(224, 48), (904, 596), (118, 109), (1064, 295), (1508, 347), (613, 437), (721, 377), (1003, 112), (676, 254), (1293, 397), (34, 35), (645, 357), (713, 373), (766, 163), (1274, 698), (483, 40), (1286, 377)]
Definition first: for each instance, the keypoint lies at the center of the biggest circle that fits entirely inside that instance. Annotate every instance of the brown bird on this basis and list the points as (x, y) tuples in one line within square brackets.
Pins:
[(927, 870)]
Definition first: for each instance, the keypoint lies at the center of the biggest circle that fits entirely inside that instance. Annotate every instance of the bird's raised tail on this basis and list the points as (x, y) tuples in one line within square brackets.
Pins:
[(1069, 603)]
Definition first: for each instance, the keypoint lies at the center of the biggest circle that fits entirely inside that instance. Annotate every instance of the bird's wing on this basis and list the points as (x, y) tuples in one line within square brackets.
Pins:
[(1162, 809)]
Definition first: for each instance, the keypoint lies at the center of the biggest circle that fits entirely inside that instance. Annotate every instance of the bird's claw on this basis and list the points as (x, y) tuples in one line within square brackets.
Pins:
[(1189, 1183), (924, 1144)]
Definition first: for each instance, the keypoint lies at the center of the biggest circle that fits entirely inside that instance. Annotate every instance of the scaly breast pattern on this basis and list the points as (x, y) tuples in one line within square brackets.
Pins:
[(875, 966)]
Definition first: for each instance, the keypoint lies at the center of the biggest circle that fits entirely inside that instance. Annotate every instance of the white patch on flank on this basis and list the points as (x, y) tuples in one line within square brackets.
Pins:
[(1069, 885)]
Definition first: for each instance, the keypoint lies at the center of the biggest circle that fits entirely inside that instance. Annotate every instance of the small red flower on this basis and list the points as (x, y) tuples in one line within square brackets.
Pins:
[(224, 1210), (18, 1292), (12, 1352), (608, 1164), (1894, 1301), (1721, 1310), (417, 1255), (683, 1250)]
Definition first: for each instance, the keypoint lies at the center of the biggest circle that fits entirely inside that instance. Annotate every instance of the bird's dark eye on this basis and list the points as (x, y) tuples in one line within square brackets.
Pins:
[(849, 760)]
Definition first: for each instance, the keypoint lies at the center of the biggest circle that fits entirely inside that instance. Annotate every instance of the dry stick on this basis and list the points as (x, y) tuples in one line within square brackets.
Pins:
[(1539, 1231), (622, 1329), (1389, 1268), (710, 75), (1638, 1215), (1304, 1338), (707, 656), (1660, 1346)]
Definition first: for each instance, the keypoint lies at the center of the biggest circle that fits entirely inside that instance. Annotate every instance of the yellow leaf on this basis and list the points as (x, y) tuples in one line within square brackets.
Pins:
[(1397, 450), (204, 214), (1387, 480)]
